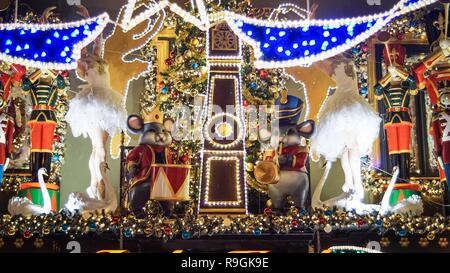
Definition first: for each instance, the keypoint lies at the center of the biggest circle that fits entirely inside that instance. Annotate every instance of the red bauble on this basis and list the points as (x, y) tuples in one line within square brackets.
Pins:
[(361, 222), (263, 74), (400, 36), (267, 211), (184, 158), (27, 234), (56, 138), (167, 230), (168, 61), (65, 74), (294, 223), (245, 103), (322, 221), (161, 83), (115, 220), (365, 48)]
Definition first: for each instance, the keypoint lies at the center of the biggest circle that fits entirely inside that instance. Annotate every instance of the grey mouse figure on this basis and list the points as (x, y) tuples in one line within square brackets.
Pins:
[(292, 156), (153, 148)]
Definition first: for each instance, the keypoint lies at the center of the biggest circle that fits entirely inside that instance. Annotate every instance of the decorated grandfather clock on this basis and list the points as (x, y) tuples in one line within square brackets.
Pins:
[(223, 187)]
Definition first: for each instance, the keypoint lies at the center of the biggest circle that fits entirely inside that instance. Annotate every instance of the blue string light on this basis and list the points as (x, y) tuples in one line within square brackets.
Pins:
[(278, 43), (302, 42), (55, 46)]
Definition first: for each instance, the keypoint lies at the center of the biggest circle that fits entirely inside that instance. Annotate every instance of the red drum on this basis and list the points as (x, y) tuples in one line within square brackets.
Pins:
[(170, 182)]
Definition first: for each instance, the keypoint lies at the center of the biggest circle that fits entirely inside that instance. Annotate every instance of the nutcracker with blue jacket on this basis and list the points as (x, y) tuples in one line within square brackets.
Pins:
[(10, 76), (395, 89), (43, 86)]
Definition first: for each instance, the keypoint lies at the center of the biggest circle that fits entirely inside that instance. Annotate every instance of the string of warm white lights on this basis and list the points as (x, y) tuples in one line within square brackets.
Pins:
[(237, 177), (296, 55)]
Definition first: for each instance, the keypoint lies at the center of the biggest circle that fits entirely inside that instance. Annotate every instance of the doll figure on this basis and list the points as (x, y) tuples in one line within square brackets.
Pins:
[(97, 111), (347, 128)]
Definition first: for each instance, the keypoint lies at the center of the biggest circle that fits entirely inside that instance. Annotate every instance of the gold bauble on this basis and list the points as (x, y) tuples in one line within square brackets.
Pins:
[(179, 59), (269, 203), (227, 222), (46, 230), (195, 42), (249, 167), (189, 54), (252, 76), (11, 231), (148, 230), (431, 236), (164, 97)]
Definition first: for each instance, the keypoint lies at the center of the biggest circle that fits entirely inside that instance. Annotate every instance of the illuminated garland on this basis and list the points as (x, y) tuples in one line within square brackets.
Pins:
[(376, 184), (195, 226)]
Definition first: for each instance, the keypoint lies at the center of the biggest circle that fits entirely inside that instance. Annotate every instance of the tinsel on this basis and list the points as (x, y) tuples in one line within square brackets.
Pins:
[(190, 225)]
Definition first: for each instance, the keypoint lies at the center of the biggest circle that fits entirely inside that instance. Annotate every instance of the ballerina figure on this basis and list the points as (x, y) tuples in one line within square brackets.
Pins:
[(347, 128), (23, 206), (97, 111)]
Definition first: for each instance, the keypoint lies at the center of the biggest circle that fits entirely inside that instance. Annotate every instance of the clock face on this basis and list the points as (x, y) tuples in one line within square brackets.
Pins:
[(224, 40), (223, 131)]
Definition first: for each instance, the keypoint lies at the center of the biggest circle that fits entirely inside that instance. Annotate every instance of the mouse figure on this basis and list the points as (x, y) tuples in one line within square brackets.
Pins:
[(153, 149), (290, 158)]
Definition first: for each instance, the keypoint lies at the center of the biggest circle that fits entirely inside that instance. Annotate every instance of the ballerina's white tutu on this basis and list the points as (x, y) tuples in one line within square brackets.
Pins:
[(96, 105), (346, 120)]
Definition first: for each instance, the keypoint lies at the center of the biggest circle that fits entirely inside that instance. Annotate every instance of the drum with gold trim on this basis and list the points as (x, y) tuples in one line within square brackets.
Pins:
[(170, 182)]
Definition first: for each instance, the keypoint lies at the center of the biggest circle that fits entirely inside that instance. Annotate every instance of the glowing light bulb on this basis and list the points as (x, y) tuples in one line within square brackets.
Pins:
[(326, 34), (266, 45), (280, 49), (65, 38), (272, 38), (267, 30), (43, 54), (304, 43), (27, 46), (334, 39), (249, 33), (8, 42), (63, 54), (295, 46), (56, 34), (306, 52), (281, 33), (288, 53), (48, 41), (18, 48), (312, 42)]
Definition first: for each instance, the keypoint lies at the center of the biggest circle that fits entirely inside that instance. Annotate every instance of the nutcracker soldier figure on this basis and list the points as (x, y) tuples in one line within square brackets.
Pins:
[(441, 129), (437, 66), (43, 86), (9, 78), (395, 89)]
